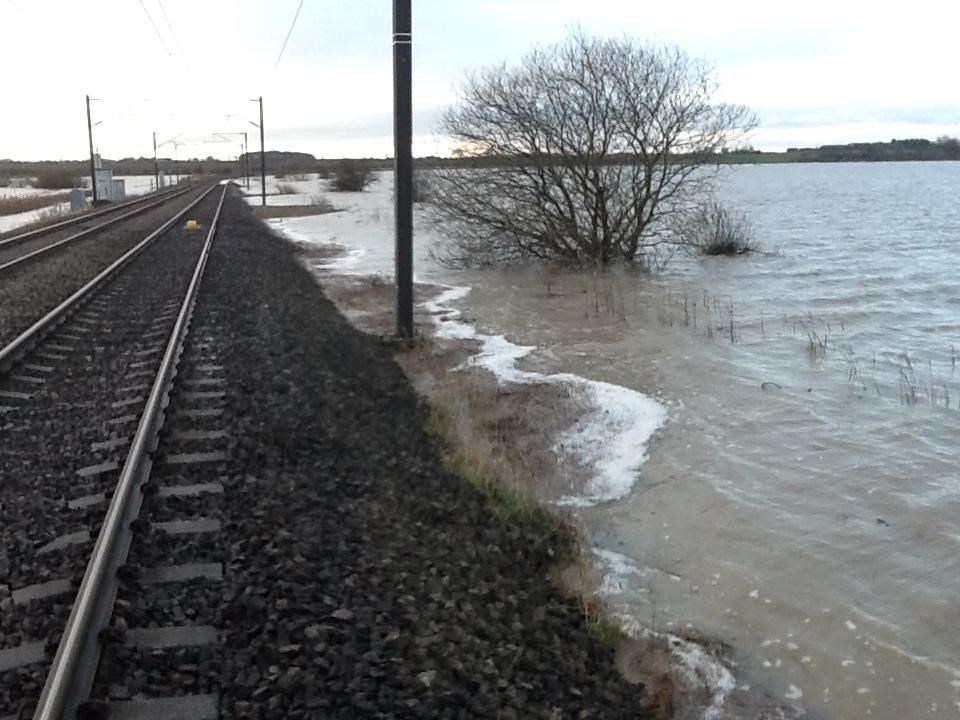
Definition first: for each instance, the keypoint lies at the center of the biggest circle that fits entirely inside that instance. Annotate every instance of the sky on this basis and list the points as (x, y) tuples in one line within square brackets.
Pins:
[(815, 72)]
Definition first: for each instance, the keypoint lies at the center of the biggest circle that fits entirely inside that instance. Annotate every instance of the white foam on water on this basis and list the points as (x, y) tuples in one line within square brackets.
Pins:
[(701, 670), (611, 438), (344, 264), (616, 563), (793, 693)]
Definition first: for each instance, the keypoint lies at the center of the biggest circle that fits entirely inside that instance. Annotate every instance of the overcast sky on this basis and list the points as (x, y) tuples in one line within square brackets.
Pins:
[(815, 72)]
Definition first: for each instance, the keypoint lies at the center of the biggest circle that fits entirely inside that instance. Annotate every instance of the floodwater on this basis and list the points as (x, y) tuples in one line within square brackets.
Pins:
[(802, 502)]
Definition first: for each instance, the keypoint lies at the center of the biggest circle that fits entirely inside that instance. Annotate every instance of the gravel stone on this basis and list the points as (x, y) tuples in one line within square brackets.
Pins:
[(406, 594)]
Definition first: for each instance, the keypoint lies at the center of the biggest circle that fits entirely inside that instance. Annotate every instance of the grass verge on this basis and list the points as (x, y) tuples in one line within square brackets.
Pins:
[(493, 437), (495, 471), (645, 662), (506, 501)]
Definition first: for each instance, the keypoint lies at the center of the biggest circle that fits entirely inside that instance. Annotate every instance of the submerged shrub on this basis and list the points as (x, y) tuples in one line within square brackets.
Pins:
[(55, 179), (322, 203), (421, 188), (351, 176), (714, 230)]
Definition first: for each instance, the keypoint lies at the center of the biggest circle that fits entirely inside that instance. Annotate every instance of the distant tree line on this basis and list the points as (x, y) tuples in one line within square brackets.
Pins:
[(281, 163), (943, 148)]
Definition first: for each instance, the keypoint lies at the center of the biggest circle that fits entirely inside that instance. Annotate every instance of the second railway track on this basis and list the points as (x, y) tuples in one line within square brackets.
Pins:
[(46, 280), (80, 415), (20, 242), (20, 249)]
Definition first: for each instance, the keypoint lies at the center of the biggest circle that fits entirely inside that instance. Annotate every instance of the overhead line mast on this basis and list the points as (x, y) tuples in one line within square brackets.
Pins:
[(403, 161)]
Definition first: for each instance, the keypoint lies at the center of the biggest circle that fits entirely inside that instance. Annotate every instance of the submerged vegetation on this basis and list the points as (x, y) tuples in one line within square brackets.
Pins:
[(895, 376), (711, 229), (594, 150), (350, 176), (56, 178)]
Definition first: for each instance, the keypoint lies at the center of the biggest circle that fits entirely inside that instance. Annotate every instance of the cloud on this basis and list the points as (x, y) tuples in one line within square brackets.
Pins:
[(805, 117), (842, 64)]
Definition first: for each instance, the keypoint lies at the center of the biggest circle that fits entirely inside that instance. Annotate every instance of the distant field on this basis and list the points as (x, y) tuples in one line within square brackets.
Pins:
[(764, 158), (19, 203)]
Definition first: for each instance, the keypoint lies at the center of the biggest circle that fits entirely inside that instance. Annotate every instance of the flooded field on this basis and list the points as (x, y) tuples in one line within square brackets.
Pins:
[(801, 503)]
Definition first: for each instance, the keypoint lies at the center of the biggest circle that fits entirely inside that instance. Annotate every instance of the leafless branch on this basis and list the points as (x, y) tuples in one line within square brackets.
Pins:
[(590, 147)]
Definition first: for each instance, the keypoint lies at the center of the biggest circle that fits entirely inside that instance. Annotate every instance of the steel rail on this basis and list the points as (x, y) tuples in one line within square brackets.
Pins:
[(74, 667), (90, 231), (24, 342), (37, 232)]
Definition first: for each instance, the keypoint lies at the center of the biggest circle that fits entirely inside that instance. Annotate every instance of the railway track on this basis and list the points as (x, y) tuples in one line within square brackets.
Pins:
[(42, 281), (110, 390), (18, 249)]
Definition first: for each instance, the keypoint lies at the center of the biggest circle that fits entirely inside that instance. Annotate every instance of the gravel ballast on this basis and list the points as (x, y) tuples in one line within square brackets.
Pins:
[(363, 579)]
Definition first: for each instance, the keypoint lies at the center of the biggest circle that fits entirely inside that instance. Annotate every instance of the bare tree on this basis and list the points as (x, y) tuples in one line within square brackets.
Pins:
[(584, 153)]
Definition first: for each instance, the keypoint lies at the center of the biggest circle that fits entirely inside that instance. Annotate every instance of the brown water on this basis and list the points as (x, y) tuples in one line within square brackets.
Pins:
[(812, 522), (802, 502)]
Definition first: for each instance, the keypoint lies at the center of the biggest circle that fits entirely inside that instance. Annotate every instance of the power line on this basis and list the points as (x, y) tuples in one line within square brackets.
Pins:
[(170, 27), (289, 32), (155, 29)]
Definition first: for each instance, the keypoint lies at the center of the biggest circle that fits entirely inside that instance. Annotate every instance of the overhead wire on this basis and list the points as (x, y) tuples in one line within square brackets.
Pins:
[(155, 29), (173, 34), (289, 33)]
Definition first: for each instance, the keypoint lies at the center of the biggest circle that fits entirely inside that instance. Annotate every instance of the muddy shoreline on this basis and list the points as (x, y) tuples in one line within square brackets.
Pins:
[(512, 427)]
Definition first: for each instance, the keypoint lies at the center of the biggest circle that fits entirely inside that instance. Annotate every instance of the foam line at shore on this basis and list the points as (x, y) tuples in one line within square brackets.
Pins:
[(611, 438), (344, 264), (700, 670)]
